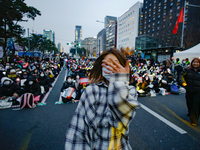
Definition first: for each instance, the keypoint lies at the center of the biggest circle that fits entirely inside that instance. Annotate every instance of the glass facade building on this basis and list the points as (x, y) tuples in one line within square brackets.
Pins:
[(109, 20), (49, 34), (111, 35), (78, 33), (159, 19)]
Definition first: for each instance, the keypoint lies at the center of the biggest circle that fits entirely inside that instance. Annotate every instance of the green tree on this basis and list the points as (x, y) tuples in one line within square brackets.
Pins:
[(11, 13), (40, 43)]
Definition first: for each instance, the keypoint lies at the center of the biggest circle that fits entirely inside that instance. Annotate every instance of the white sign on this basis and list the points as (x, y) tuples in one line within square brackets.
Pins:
[(1, 51)]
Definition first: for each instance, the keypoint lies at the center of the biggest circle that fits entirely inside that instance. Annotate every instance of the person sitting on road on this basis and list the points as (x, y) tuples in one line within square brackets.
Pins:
[(51, 75), (68, 83), (43, 81), (72, 73), (32, 86), (9, 89)]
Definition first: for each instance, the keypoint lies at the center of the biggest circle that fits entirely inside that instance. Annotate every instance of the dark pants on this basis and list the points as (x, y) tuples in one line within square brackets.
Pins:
[(193, 105)]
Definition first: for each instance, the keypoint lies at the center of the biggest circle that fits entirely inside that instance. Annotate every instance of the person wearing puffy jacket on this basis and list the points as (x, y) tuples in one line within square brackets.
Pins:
[(32, 86), (9, 89), (190, 78)]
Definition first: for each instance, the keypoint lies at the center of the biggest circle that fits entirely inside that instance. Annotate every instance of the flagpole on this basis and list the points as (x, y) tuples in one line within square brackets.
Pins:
[(183, 25)]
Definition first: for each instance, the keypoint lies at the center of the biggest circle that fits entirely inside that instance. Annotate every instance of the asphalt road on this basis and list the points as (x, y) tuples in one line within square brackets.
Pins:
[(160, 124)]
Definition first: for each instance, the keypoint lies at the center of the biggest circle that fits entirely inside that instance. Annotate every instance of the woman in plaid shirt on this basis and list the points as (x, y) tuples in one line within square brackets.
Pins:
[(106, 107)]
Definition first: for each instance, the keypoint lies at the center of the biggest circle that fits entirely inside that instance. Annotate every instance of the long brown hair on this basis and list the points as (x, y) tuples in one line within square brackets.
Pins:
[(96, 72)]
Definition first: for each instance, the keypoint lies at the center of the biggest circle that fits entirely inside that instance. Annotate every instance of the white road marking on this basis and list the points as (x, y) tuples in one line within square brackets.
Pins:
[(175, 127), (60, 99)]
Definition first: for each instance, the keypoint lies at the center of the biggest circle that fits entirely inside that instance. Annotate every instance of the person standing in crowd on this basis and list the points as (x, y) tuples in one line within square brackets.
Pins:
[(106, 107), (190, 78), (187, 61)]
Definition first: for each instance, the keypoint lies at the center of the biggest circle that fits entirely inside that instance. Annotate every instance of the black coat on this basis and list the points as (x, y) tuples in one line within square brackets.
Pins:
[(34, 88), (66, 85), (44, 81), (192, 78), (9, 90)]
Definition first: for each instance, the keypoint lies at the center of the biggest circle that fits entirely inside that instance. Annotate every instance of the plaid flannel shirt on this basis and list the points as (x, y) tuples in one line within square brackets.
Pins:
[(102, 117)]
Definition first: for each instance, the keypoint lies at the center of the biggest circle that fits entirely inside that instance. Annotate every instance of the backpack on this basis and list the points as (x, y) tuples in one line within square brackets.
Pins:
[(174, 89), (27, 101)]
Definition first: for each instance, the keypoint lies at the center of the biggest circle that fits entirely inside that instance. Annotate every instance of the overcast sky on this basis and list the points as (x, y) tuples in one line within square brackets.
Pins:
[(62, 16)]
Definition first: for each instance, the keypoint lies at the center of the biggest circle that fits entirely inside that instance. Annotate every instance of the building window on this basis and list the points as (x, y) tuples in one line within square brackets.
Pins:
[(158, 28), (164, 20), (178, 7), (170, 17), (170, 11), (158, 22), (165, 7), (158, 16), (158, 10), (171, 4), (153, 18), (154, 12), (149, 20), (164, 13), (149, 15), (148, 30), (149, 25), (159, 4), (153, 29), (165, 1)]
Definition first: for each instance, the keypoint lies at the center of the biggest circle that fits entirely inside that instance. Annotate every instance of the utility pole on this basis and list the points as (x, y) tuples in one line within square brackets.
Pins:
[(28, 41)]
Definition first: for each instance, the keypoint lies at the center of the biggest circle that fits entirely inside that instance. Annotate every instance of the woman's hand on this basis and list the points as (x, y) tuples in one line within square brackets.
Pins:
[(115, 67)]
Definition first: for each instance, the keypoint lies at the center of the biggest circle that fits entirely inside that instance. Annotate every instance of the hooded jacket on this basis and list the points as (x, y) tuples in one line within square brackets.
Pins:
[(34, 88), (9, 90)]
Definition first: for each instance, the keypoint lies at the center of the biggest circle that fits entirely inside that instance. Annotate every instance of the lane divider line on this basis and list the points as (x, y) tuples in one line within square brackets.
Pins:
[(60, 99), (47, 94), (173, 126)]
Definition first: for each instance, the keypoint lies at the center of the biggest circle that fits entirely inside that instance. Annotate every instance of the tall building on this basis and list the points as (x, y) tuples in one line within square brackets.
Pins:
[(111, 35), (109, 20), (101, 41), (78, 33), (127, 27), (59, 47), (90, 45), (159, 19), (49, 34)]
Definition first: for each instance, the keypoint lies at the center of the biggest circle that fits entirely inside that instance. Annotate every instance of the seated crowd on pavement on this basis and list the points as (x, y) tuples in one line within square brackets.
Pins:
[(27, 74)]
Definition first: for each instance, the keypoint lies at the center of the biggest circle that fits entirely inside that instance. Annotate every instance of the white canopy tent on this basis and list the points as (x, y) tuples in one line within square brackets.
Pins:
[(191, 53)]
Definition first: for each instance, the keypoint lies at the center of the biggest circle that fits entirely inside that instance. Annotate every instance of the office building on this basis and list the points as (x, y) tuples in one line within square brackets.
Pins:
[(90, 44), (111, 35), (49, 34), (59, 47), (159, 19), (78, 34), (101, 41), (109, 20), (127, 27)]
